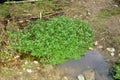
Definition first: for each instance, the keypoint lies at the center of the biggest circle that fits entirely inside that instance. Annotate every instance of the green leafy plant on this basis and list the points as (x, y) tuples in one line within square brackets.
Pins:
[(116, 70), (55, 40)]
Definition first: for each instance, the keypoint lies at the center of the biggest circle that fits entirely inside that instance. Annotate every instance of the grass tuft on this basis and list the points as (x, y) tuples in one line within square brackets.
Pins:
[(105, 13)]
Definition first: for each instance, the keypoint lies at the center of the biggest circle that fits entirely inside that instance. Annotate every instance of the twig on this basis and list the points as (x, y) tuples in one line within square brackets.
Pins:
[(16, 2)]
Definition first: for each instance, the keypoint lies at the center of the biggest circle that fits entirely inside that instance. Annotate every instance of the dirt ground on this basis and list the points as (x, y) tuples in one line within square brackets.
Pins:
[(107, 34)]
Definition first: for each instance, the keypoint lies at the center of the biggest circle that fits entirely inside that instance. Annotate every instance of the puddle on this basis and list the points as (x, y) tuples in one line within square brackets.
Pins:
[(91, 60)]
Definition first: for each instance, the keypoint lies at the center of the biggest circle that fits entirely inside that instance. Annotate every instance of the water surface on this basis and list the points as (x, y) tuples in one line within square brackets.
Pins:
[(91, 60)]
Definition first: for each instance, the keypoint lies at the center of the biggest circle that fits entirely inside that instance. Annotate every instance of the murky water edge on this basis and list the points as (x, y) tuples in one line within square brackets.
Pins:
[(91, 60)]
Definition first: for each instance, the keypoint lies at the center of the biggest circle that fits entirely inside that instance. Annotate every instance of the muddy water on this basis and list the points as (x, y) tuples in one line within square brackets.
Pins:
[(91, 60)]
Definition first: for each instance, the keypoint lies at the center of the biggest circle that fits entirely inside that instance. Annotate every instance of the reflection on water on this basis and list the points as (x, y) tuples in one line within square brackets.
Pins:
[(91, 60)]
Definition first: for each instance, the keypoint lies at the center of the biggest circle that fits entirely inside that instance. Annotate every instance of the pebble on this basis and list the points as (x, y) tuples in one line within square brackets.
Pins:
[(21, 21), (119, 54), (96, 43), (29, 71), (89, 74), (111, 49), (28, 14), (89, 13), (115, 5), (81, 77), (35, 62), (100, 47), (17, 56), (26, 62), (90, 48), (112, 54), (65, 78)]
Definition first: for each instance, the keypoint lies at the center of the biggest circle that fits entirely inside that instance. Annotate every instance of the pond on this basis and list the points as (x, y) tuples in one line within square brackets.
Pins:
[(91, 60)]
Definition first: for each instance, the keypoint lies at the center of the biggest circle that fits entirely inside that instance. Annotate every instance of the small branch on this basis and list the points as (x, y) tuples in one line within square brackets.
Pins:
[(48, 16), (17, 2)]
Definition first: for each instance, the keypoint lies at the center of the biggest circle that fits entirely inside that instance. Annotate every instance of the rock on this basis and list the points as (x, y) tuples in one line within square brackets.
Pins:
[(90, 48), (21, 21), (111, 49), (100, 46), (35, 62), (26, 62), (112, 54), (116, 6), (89, 75), (81, 77), (29, 71), (119, 54), (96, 43), (65, 78), (17, 56), (88, 13)]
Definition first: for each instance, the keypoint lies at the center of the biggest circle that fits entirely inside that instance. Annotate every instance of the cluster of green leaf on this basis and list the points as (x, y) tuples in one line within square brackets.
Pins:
[(55, 40), (116, 70)]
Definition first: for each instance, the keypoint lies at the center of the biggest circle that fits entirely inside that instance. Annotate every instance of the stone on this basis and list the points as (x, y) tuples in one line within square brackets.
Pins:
[(26, 62), (89, 13), (65, 78), (116, 6), (89, 75), (21, 21), (17, 56), (29, 71), (96, 43), (119, 54), (112, 54), (90, 48), (111, 49), (35, 62), (81, 77), (100, 47)]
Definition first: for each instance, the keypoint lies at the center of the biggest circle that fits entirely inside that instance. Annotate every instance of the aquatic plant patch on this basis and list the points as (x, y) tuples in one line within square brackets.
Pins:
[(54, 41), (116, 70)]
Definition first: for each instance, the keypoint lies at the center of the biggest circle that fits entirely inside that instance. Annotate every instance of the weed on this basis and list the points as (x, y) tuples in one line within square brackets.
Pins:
[(4, 10), (27, 64), (117, 41), (5, 56), (105, 13), (19, 9), (55, 40), (116, 69)]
